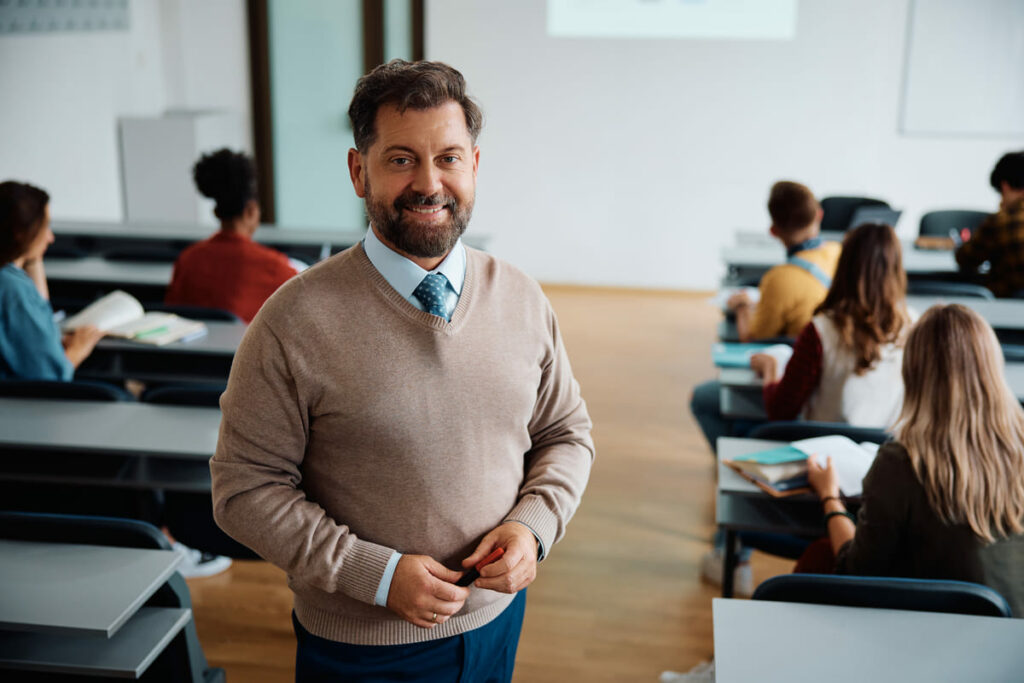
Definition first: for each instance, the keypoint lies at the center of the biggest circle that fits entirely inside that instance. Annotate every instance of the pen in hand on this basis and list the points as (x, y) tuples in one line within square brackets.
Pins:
[(474, 573)]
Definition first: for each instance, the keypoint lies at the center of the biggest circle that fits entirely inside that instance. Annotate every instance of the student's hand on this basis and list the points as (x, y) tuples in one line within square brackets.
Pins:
[(423, 591), (738, 300), (80, 343), (823, 480), (516, 569), (765, 366)]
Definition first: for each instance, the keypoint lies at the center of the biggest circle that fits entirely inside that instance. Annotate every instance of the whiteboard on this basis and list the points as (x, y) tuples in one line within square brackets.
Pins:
[(964, 70)]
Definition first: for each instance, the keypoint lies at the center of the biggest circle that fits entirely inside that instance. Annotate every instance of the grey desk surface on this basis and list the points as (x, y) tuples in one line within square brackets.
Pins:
[(778, 641), (127, 654), (764, 256), (72, 589), (134, 429), (222, 338), (96, 269)]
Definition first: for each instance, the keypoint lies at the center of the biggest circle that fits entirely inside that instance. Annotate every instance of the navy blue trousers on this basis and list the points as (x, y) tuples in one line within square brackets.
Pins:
[(483, 655)]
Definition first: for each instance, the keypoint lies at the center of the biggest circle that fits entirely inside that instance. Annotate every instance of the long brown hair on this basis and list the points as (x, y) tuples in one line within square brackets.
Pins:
[(867, 299), (961, 424)]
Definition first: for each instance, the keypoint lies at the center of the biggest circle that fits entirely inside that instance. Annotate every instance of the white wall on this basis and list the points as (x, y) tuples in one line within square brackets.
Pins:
[(632, 162), (63, 93)]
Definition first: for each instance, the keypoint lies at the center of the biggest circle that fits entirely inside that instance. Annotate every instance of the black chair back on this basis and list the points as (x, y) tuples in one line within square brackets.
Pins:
[(78, 390), (922, 595), (940, 223), (942, 288), (185, 395), (154, 253), (801, 429), (838, 211)]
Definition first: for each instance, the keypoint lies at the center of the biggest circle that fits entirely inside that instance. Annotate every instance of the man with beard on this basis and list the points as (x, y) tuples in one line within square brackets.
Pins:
[(402, 410)]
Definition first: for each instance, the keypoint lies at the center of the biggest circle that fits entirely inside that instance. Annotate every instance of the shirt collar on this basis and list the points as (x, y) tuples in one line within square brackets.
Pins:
[(403, 275)]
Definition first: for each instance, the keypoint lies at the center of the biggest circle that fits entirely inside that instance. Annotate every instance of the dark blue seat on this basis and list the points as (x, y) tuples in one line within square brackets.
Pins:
[(78, 390), (189, 516), (795, 430), (941, 223), (947, 288), (183, 658), (838, 211), (922, 595)]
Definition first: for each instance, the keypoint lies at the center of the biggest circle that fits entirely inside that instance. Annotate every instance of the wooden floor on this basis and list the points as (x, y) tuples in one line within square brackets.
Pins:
[(620, 598)]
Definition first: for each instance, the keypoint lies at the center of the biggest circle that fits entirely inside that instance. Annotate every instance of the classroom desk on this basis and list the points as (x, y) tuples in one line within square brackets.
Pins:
[(766, 641), (1006, 316), (130, 445), (310, 245), (88, 278), (206, 359), (748, 262), (741, 506), (740, 394), (77, 609)]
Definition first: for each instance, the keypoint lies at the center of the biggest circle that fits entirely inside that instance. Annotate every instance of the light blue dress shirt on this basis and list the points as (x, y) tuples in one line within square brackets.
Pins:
[(30, 342)]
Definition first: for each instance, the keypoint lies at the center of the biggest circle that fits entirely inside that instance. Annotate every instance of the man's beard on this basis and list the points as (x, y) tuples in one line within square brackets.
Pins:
[(404, 234)]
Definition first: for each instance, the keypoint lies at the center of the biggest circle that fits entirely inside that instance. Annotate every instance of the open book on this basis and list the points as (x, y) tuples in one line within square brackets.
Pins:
[(783, 471), (119, 314)]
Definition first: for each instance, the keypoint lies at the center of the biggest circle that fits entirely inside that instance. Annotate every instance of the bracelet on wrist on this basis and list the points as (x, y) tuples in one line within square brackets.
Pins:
[(828, 498), (838, 513)]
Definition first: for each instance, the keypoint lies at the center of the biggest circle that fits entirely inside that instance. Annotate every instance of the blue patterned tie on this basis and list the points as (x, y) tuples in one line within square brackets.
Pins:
[(431, 293)]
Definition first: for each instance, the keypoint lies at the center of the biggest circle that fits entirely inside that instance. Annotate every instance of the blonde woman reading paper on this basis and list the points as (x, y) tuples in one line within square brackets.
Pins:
[(945, 500)]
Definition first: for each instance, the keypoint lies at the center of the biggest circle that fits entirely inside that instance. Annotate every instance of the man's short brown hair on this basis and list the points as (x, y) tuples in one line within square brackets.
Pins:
[(22, 210), (792, 206), (408, 85)]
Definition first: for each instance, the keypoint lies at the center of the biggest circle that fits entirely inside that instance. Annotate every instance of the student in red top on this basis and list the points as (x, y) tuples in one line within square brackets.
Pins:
[(228, 270)]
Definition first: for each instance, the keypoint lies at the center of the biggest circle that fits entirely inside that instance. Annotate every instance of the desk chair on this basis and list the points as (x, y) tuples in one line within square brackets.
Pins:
[(940, 223), (805, 429), (922, 595), (947, 288), (183, 659), (189, 516), (838, 211), (78, 390)]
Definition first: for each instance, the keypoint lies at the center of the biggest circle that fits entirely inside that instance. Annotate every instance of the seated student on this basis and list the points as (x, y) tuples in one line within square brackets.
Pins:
[(31, 346), (846, 362), (1000, 237), (945, 499), (228, 270), (789, 293)]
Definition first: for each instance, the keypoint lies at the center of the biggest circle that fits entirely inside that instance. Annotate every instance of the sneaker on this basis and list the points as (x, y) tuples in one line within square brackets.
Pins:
[(702, 673), (712, 564), (195, 563)]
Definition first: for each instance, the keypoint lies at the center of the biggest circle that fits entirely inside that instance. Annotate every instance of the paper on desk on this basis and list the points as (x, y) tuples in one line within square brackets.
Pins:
[(851, 460), (722, 297)]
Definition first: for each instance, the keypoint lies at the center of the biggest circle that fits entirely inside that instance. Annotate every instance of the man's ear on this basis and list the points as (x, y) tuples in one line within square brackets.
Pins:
[(357, 172), (476, 160)]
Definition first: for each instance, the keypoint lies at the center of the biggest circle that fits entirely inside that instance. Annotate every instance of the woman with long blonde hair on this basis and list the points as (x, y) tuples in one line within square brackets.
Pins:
[(945, 499)]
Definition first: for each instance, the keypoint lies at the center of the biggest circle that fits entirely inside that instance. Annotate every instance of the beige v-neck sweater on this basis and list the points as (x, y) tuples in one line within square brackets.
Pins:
[(355, 424)]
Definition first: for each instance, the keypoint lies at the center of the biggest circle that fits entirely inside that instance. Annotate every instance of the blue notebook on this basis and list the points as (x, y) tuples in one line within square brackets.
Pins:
[(734, 355)]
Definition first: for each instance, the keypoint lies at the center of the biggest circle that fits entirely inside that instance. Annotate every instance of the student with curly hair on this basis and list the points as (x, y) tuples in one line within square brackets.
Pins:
[(229, 270)]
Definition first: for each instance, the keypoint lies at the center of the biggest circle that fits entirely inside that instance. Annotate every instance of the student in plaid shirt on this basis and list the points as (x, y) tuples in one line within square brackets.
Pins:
[(1000, 238)]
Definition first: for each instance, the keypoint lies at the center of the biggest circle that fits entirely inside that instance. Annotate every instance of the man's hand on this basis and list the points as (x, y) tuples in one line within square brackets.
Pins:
[(516, 569), (423, 591)]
